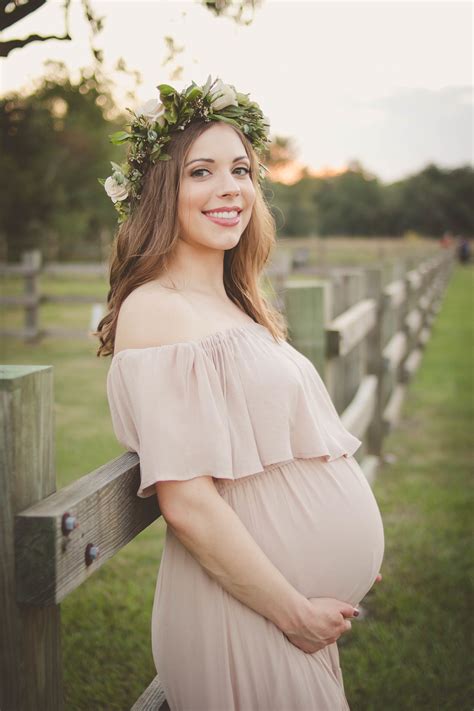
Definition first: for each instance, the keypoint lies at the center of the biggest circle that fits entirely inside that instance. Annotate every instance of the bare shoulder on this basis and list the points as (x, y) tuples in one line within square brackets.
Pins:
[(152, 316)]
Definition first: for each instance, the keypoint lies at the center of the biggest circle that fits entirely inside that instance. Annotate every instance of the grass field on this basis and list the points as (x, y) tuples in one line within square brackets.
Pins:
[(412, 650)]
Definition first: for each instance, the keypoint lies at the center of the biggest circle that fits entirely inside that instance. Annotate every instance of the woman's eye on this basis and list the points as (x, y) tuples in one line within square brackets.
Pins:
[(242, 167)]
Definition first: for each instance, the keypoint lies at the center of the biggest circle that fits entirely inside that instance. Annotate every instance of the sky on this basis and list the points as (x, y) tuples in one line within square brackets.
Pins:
[(387, 83)]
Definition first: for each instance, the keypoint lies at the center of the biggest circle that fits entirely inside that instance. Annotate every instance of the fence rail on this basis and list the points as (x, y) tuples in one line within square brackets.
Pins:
[(365, 336)]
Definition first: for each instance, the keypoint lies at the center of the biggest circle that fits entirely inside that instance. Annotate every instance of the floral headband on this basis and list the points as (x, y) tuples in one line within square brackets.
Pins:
[(152, 124)]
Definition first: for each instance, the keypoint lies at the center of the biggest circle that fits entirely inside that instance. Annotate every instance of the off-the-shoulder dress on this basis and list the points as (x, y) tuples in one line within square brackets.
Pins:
[(254, 413)]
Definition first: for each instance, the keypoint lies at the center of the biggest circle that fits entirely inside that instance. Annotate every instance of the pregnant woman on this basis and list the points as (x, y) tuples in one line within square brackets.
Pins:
[(273, 533)]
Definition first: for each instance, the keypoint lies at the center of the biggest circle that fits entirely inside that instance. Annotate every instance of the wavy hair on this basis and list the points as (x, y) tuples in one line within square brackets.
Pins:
[(144, 244)]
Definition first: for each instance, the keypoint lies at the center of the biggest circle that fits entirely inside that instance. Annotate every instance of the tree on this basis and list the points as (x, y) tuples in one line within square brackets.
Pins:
[(436, 200), (12, 11), (350, 203), (54, 145)]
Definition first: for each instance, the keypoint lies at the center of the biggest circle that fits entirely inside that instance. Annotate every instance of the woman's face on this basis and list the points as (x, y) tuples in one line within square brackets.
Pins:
[(215, 178)]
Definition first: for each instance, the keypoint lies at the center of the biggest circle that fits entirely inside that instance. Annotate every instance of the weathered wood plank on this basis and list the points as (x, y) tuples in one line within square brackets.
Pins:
[(392, 411), (348, 329), (152, 699), (411, 364), (358, 415), (31, 675), (72, 299), (415, 279), (306, 309), (414, 321), (394, 351), (394, 294), (51, 563), (374, 361), (19, 300)]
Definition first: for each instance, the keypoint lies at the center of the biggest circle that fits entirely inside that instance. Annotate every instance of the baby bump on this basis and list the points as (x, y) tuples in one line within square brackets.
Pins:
[(317, 521)]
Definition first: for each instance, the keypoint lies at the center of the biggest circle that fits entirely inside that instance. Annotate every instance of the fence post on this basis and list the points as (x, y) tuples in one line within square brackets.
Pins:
[(344, 373), (30, 643), (374, 285), (31, 259), (307, 309)]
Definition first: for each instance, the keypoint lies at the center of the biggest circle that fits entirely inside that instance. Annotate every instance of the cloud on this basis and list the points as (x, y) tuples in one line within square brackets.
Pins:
[(403, 131)]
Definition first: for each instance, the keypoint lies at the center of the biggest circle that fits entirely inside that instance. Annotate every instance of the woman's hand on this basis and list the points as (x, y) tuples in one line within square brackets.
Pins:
[(324, 622)]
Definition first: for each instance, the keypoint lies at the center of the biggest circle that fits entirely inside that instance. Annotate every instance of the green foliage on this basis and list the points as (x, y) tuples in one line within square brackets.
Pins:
[(54, 144), (356, 203), (435, 200)]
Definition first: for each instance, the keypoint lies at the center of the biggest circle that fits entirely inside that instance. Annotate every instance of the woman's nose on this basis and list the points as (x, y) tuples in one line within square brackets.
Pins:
[(230, 186)]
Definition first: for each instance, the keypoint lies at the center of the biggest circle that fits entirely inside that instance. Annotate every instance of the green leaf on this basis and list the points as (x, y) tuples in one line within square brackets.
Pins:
[(194, 93), (101, 181), (165, 156), (242, 98), (232, 111), (171, 114), (117, 168), (166, 89), (119, 137), (219, 117)]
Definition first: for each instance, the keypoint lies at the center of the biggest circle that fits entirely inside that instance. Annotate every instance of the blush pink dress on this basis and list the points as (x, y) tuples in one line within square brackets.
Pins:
[(254, 413)]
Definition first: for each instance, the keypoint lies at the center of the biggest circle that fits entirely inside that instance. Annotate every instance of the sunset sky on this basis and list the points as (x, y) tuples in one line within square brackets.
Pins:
[(386, 83)]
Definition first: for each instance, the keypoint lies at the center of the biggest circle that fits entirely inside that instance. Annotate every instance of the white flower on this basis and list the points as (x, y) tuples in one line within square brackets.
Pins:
[(115, 190), (152, 111), (228, 98), (207, 86), (266, 121)]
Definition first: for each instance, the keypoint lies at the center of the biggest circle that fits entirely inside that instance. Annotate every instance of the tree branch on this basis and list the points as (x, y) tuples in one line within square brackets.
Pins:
[(10, 45), (18, 13)]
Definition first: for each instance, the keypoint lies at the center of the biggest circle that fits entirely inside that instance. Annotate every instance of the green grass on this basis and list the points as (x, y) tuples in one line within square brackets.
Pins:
[(413, 650)]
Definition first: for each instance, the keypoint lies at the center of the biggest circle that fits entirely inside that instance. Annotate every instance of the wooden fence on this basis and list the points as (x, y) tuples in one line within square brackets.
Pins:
[(30, 269), (291, 255), (365, 332)]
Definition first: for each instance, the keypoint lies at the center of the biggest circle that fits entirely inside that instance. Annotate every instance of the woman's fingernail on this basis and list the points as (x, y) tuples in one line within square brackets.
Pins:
[(356, 612)]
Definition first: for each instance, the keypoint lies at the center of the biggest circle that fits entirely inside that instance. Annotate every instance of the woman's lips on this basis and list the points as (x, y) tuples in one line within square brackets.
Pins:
[(224, 222)]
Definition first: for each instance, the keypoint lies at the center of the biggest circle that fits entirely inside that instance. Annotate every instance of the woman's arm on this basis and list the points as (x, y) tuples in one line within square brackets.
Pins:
[(216, 537), (201, 519)]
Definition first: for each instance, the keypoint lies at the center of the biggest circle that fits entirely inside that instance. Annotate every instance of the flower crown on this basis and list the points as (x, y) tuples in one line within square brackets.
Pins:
[(152, 124)]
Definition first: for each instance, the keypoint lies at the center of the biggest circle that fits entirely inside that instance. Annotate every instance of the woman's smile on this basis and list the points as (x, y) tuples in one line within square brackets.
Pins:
[(220, 218)]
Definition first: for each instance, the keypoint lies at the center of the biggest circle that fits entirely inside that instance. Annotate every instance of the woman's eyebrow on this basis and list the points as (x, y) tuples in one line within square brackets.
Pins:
[(210, 160)]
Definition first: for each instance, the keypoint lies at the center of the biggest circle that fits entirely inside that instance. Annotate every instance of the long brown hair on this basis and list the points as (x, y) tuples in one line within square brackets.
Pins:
[(144, 244)]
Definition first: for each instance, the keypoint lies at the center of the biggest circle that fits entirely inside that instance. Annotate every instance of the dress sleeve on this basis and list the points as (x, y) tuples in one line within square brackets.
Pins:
[(168, 406)]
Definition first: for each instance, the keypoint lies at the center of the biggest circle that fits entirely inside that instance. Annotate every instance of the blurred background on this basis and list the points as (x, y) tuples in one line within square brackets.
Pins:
[(370, 166), (370, 105)]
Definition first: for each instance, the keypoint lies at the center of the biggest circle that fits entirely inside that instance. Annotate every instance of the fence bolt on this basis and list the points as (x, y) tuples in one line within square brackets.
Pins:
[(68, 523), (92, 552)]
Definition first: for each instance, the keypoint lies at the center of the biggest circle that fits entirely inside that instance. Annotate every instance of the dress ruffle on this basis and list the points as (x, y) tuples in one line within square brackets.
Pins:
[(225, 406)]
